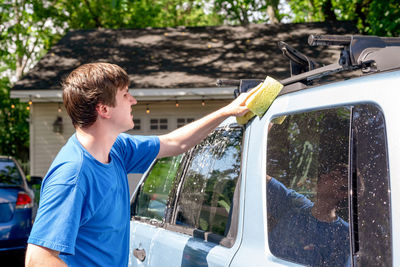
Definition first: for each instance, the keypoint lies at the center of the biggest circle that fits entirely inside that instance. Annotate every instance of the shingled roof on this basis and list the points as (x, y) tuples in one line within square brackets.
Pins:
[(182, 57)]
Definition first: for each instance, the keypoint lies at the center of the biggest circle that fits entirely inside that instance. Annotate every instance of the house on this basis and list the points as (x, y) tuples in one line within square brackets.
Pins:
[(173, 73)]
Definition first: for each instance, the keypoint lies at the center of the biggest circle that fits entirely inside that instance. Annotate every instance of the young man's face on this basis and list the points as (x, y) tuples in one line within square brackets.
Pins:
[(122, 112), (333, 185)]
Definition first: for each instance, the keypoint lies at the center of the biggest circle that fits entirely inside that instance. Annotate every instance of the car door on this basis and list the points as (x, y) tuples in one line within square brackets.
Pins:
[(150, 206), (187, 215), (349, 123)]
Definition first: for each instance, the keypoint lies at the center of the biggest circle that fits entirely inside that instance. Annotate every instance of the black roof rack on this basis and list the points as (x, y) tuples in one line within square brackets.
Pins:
[(299, 62), (368, 53)]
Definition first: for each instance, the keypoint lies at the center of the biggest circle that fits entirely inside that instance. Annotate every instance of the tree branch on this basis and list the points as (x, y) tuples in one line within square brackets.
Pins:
[(327, 11), (361, 10), (94, 16)]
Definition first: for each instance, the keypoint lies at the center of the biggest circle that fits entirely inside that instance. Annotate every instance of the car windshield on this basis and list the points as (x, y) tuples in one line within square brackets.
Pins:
[(9, 173)]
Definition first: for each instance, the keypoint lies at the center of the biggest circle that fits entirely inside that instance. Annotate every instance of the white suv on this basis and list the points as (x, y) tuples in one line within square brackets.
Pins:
[(313, 182)]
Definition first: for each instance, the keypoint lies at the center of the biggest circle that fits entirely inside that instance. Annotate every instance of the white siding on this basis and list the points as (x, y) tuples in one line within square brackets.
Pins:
[(168, 110), (45, 144)]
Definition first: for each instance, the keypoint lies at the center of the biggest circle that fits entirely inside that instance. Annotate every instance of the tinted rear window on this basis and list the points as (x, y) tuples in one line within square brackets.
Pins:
[(328, 190), (9, 174)]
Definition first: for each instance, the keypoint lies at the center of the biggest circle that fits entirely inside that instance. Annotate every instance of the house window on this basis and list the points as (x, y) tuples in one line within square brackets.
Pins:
[(158, 124), (137, 126), (182, 121)]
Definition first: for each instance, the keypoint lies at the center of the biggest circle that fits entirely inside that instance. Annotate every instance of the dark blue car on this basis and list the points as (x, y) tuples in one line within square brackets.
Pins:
[(17, 205)]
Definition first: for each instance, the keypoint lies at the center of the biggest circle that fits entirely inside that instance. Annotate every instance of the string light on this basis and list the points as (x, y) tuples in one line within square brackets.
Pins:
[(147, 109), (176, 103), (29, 103), (203, 103), (59, 107), (12, 106)]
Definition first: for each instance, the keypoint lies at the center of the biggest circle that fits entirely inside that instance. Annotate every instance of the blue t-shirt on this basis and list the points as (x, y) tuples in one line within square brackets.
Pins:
[(294, 234), (84, 209)]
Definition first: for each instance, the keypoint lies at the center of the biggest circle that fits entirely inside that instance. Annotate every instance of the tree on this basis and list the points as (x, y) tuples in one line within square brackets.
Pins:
[(28, 28), (14, 127), (89, 14), (26, 32), (382, 18), (244, 12), (374, 17)]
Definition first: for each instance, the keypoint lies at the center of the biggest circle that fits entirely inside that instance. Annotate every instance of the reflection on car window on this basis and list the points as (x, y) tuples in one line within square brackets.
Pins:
[(307, 188), (153, 195), (9, 173), (206, 197), (372, 217)]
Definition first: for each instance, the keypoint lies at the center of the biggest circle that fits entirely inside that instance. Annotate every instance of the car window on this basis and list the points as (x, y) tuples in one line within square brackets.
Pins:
[(152, 199), (9, 173), (328, 194), (206, 197), (371, 204), (307, 189)]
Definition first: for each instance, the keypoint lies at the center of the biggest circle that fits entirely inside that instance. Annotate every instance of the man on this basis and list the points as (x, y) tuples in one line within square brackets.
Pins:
[(306, 232), (84, 213)]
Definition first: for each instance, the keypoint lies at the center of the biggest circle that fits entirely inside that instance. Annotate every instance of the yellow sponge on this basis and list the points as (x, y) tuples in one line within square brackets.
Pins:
[(278, 120), (260, 99), (245, 118)]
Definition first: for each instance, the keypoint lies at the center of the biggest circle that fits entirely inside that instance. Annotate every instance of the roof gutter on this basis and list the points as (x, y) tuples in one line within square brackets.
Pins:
[(148, 94)]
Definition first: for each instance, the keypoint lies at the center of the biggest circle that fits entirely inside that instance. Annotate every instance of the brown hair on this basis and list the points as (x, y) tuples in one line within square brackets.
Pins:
[(89, 85)]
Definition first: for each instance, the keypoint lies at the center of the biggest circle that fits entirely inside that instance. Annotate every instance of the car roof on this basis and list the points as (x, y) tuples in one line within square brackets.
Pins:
[(6, 157)]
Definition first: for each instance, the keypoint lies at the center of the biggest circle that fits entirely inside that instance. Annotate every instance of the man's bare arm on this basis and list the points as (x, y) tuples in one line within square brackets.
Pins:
[(37, 256), (184, 138)]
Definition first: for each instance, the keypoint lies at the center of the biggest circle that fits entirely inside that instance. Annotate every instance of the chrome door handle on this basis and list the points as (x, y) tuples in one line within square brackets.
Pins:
[(140, 254)]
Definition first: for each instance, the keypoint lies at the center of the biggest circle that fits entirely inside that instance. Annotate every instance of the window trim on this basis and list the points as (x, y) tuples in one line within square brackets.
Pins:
[(158, 125), (183, 121), (137, 124)]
